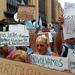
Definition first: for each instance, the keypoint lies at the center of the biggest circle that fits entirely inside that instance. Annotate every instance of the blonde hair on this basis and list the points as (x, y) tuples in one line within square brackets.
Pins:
[(20, 54), (42, 39)]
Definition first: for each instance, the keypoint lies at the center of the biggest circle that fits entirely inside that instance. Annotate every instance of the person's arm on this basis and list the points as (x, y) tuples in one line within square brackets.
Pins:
[(58, 42), (59, 37)]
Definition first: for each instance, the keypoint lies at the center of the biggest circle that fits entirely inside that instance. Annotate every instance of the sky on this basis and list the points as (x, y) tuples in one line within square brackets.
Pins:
[(62, 2)]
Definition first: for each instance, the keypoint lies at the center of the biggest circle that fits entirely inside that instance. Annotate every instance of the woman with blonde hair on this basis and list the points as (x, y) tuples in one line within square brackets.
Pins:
[(19, 55), (43, 47)]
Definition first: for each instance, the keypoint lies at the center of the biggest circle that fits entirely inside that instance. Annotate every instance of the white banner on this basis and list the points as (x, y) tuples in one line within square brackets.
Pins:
[(16, 28), (14, 38), (58, 63), (69, 20)]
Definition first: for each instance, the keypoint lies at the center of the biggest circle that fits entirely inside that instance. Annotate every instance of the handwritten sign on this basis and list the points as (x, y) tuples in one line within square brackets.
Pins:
[(14, 38), (8, 67), (17, 28), (58, 63), (25, 12), (69, 21)]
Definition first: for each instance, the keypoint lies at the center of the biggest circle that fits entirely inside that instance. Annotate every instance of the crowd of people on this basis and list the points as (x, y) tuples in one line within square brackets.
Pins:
[(57, 47)]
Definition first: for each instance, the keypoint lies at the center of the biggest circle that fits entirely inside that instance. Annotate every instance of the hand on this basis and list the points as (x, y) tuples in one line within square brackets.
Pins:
[(60, 22)]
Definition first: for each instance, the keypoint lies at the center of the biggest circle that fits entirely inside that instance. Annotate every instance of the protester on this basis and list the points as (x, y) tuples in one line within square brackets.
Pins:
[(27, 50), (19, 55), (52, 33), (6, 50), (44, 27), (43, 47), (64, 45)]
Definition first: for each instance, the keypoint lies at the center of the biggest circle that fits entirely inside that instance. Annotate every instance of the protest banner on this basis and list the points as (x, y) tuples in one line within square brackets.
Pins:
[(8, 67), (58, 63), (17, 28), (69, 20), (26, 12), (14, 38), (2, 74)]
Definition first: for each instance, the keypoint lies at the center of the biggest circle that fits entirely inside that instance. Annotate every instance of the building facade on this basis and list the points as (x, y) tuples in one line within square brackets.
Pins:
[(47, 9), (59, 10), (2, 8)]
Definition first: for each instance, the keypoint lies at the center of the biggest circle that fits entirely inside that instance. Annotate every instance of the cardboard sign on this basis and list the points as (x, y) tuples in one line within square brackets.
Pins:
[(69, 20), (58, 63), (71, 55), (14, 39), (16, 28), (26, 12), (2, 74), (8, 67)]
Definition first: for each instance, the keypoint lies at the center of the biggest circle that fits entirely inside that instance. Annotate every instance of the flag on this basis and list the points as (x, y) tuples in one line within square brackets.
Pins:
[(36, 23), (22, 2), (40, 24), (29, 24)]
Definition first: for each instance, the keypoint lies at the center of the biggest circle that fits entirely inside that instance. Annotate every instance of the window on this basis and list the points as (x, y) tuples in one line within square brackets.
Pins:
[(12, 5), (22, 1)]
